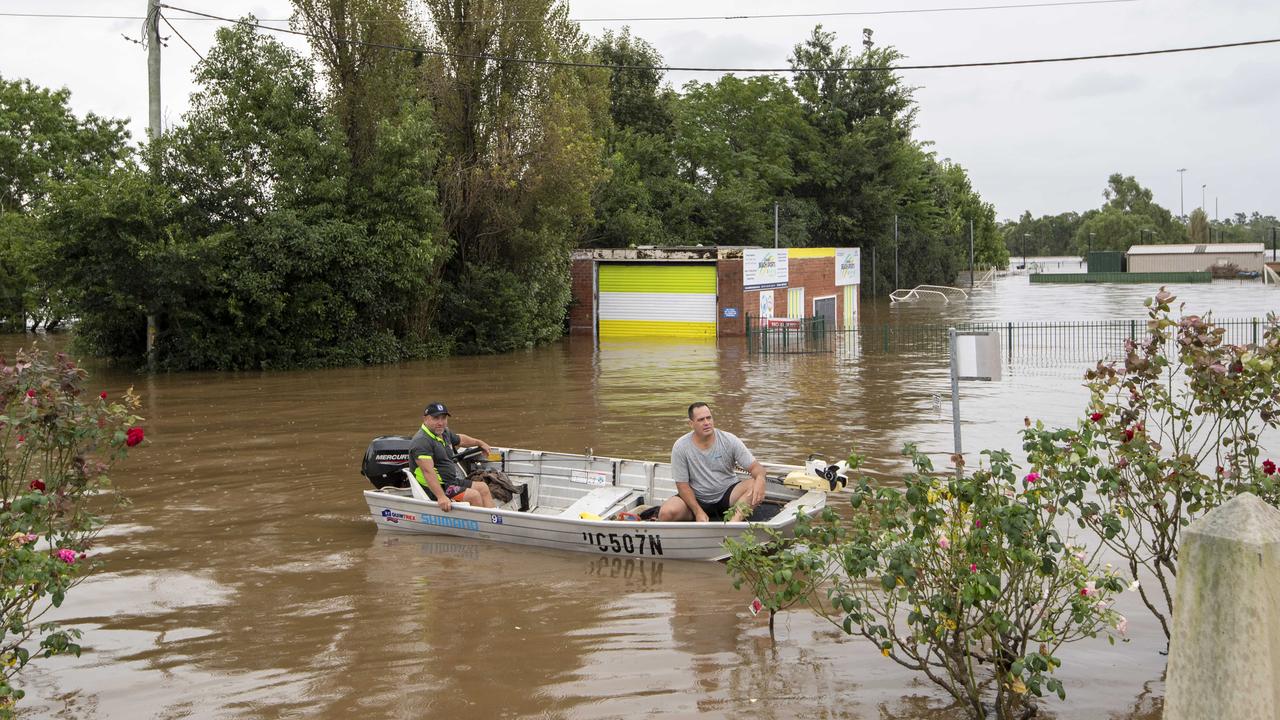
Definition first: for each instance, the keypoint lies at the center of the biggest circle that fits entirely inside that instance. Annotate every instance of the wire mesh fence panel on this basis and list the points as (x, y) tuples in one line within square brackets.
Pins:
[(1021, 342)]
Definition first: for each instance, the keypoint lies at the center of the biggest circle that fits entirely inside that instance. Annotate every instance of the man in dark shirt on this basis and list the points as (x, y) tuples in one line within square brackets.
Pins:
[(431, 455)]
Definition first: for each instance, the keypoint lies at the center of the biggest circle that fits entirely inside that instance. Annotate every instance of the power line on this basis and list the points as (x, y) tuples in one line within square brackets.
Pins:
[(851, 13), (672, 68), (678, 18), (184, 40)]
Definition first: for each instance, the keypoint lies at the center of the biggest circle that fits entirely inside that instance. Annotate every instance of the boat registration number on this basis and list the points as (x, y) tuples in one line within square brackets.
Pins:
[(624, 543)]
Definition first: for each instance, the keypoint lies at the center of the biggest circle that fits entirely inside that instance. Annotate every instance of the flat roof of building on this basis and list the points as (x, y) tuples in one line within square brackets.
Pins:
[(1204, 249)]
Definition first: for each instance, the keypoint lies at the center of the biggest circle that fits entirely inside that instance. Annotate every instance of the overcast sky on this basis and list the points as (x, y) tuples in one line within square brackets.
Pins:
[(1042, 138)]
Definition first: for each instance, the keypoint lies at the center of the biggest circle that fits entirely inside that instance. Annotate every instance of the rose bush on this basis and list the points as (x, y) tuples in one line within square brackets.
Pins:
[(55, 450), (1173, 431), (967, 580)]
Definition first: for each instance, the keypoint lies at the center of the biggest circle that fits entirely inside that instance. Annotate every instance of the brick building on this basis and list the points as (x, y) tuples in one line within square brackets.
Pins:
[(709, 291)]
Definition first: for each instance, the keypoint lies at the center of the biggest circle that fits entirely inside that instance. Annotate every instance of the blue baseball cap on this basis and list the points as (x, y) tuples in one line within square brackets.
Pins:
[(436, 408)]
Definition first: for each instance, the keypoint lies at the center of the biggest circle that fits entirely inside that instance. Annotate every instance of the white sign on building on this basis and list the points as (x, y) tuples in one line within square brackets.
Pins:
[(764, 268), (766, 305), (848, 266)]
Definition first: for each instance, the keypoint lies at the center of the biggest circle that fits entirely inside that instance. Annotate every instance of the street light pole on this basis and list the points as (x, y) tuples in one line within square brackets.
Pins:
[(1182, 204), (1024, 250), (1202, 187)]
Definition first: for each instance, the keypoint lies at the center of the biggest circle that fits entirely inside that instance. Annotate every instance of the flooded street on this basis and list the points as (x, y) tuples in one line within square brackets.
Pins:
[(247, 581)]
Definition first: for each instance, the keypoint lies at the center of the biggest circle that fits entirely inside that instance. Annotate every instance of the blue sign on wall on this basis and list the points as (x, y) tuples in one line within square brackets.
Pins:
[(731, 312)]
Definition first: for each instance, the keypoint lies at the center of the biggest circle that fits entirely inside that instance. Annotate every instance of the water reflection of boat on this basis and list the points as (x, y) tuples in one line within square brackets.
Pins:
[(587, 503)]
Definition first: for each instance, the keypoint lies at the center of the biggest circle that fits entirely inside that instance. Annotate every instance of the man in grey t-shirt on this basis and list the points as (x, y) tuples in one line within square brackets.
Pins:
[(702, 464)]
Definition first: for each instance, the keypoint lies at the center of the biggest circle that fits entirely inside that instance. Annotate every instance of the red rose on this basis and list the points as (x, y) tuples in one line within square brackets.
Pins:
[(31, 393), (102, 395), (1096, 417), (1268, 467), (37, 484), (1128, 434), (133, 436)]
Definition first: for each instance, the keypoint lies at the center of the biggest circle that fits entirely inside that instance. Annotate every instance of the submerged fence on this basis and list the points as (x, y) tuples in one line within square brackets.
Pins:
[(1040, 342)]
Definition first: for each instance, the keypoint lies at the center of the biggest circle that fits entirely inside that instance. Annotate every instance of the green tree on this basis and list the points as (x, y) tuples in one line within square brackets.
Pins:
[(737, 141), (43, 146), (1198, 227), (253, 247), (1128, 217), (521, 159), (645, 200), (865, 168)]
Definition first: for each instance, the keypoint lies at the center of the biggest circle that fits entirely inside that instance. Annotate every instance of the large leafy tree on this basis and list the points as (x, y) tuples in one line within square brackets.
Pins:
[(867, 168), (739, 141), (645, 200), (1128, 217), (43, 146), (254, 251), (521, 159)]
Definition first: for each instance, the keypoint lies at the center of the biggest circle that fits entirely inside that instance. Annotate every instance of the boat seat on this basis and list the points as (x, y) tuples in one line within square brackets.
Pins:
[(597, 502)]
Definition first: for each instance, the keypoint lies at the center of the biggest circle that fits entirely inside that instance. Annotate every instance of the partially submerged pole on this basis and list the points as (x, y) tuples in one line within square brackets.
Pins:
[(1224, 651), (154, 130)]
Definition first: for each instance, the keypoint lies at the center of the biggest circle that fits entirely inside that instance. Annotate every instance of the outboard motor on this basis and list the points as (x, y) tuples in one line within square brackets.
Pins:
[(385, 461)]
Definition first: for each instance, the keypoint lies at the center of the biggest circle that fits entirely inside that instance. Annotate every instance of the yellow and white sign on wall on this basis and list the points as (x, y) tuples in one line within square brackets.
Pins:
[(764, 268)]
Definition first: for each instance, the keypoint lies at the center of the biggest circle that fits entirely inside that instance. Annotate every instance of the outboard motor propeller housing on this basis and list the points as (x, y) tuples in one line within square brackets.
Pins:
[(385, 461)]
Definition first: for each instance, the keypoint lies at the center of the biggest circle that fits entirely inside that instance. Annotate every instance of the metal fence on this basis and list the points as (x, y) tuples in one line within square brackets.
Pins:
[(1040, 342)]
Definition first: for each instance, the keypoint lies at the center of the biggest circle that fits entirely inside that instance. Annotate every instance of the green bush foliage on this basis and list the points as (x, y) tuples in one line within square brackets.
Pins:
[(966, 579)]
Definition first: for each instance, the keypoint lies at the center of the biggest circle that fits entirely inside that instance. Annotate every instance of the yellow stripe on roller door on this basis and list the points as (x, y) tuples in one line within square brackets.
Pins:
[(653, 328), (657, 278)]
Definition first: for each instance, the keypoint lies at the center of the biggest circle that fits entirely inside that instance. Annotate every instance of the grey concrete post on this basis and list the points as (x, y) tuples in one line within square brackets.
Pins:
[(1224, 653)]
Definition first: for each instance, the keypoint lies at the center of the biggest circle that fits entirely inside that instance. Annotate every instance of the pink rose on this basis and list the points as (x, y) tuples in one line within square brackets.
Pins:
[(973, 567), (1032, 477), (67, 556), (944, 543)]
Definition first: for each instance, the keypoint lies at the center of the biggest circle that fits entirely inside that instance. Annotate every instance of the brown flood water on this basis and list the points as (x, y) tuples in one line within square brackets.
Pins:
[(246, 580)]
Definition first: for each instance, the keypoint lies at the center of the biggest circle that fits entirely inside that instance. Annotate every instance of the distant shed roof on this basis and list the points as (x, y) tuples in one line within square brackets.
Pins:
[(1206, 249)]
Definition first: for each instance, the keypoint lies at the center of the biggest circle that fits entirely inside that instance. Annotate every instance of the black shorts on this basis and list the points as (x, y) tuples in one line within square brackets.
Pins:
[(452, 488), (716, 510)]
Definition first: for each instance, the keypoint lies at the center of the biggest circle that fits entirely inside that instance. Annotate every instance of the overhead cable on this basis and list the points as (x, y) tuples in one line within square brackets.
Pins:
[(750, 70), (680, 18)]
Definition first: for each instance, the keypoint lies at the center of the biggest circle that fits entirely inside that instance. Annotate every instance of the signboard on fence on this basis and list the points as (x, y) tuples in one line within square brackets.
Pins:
[(848, 266), (764, 268)]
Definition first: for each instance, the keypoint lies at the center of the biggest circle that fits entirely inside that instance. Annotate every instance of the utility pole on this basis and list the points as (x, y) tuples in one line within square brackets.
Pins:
[(970, 253), (895, 253), (874, 278), (1182, 204), (775, 226), (1024, 250), (154, 129), (1202, 187)]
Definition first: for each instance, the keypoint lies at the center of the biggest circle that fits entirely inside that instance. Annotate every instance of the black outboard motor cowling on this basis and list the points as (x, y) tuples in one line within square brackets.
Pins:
[(385, 461)]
